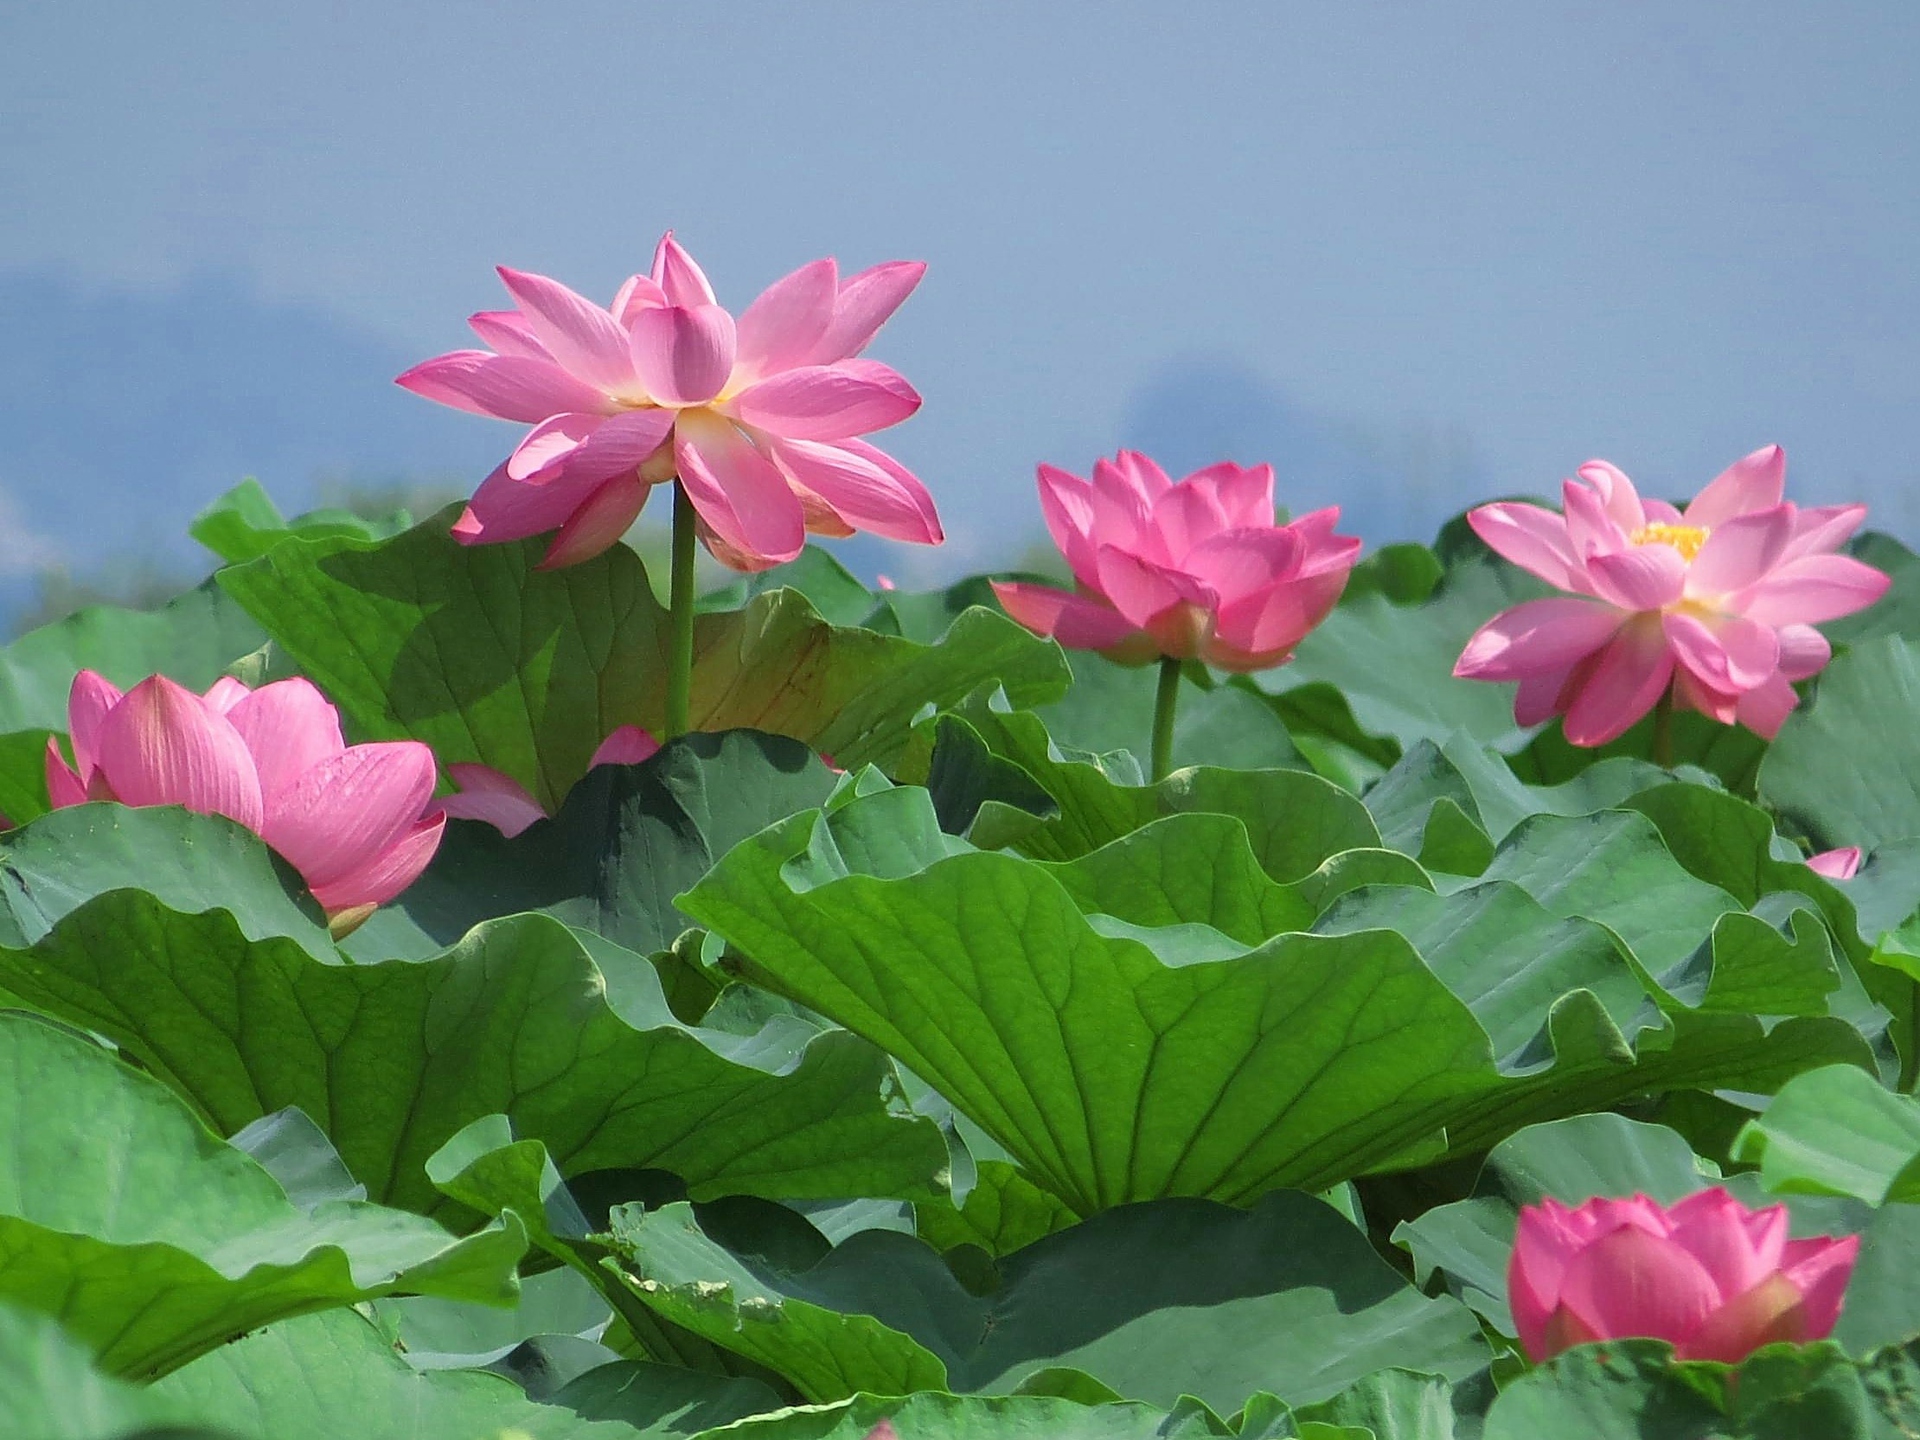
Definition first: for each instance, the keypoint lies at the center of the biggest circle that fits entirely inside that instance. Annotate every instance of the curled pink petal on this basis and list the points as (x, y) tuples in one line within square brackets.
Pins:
[(681, 281), (288, 727), (1811, 590), (1841, 864), (1741, 551), (383, 875), (507, 387), (882, 500), (1616, 493), (1536, 636), (737, 490), (1725, 652), (64, 785), (163, 745), (343, 813), (1754, 482), (820, 402), (492, 796), (584, 340), (785, 325), (598, 524), (1530, 537), (1642, 577), (508, 333), (865, 302), (1764, 709), (627, 745), (683, 356), (504, 508), (89, 699), (1078, 622), (1630, 675)]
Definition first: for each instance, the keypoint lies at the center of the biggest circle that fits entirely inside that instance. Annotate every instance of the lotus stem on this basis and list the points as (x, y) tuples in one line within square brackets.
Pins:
[(680, 651), (1165, 699), (1663, 731)]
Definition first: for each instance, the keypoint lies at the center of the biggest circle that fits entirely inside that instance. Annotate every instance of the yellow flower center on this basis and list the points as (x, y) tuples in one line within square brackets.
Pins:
[(1687, 539)]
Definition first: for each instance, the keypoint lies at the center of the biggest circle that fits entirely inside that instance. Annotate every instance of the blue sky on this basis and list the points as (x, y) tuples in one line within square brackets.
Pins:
[(1413, 254)]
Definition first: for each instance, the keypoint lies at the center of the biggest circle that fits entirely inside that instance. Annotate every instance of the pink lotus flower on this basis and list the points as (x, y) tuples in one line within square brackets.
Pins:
[(350, 819), (503, 802), (1717, 604), (1194, 570), (1713, 1278), (1839, 864), (760, 420)]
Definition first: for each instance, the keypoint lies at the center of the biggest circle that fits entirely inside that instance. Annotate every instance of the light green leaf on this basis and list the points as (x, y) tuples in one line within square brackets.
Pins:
[(244, 524), (154, 1240), (1836, 1131)]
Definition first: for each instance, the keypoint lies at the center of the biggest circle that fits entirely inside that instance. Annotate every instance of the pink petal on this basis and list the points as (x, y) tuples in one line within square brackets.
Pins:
[(89, 699), (1642, 577), (551, 441), (1143, 591), (1841, 864), (508, 387), (1541, 695), (1617, 495), (1738, 1247), (628, 745), (737, 490), (224, 694), (64, 786), (784, 326), (1823, 528), (1538, 636), (1659, 511), (1236, 563), (162, 745), (1812, 589), (867, 496), (865, 302), (584, 340), (491, 796), (1769, 1313), (1819, 1269), (597, 526), (1690, 692), (288, 728), (1078, 622), (683, 356), (1632, 673), (1132, 480), (1726, 652), (1590, 529), (1261, 629), (386, 874), (1804, 651), (1144, 473), (508, 333), (1628, 1282), (1188, 514), (504, 508), (1764, 709), (1066, 503), (1323, 550), (819, 402), (1531, 537), (344, 813), (1755, 482), (636, 293), (1246, 495), (680, 280), (1739, 552)]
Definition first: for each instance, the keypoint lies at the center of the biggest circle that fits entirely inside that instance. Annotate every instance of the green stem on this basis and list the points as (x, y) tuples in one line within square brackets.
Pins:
[(1663, 731), (680, 651), (1910, 1061), (1165, 698)]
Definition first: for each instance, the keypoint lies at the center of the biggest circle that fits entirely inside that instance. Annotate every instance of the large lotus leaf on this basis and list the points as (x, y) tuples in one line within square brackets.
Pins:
[(1003, 1212), (244, 524), (834, 592), (1633, 1390), (627, 840), (664, 1399), (1110, 707), (193, 639), (1153, 1301), (487, 658), (393, 1058), (50, 1389), (1836, 1131), (1118, 1061), (154, 1240), (333, 1375), (1846, 768), (447, 1334), (1296, 819), (936, 1416), (1394, 663), (187, 862)]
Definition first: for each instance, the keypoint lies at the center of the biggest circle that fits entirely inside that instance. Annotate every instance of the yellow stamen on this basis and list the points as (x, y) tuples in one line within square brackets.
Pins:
[(1687, 539)]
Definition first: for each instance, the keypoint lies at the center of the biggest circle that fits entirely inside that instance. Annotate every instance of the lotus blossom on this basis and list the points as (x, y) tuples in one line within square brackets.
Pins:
[(760, 420), (1711, 1277), (1193, 569), (1715, 605), (352, 819), (1839, 864), (503, 802)]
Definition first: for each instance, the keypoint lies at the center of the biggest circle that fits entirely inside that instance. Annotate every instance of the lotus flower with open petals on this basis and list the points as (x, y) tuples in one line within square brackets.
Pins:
[(1716, 605), (352, 819), (503, 802), (761, 419), (1709, 1276), (1193, 569)]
